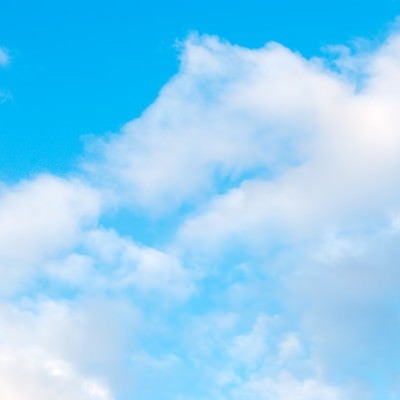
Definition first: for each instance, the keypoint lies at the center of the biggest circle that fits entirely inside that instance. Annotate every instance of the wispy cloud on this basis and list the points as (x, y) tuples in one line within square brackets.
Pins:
[(4, 57)]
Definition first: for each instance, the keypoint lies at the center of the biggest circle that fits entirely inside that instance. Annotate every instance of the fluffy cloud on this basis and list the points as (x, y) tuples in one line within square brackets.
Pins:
[(287, 144), (41, 218), (63, 349), (37, 376), (194, 133), (346, 143), (278, 178), (281, 153)]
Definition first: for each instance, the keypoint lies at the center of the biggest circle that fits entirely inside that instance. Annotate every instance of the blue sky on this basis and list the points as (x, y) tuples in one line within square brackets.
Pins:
[(199, 201)]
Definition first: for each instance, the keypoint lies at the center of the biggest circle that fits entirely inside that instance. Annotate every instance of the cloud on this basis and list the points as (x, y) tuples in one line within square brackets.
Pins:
[(286, 387), (41, 218), (37, 376), (262, 153), (63, 349), (277, 177), (261, 140), (4, 57), (345, 292), (195, 133), (131, 265), (346, 143), (266, 149)]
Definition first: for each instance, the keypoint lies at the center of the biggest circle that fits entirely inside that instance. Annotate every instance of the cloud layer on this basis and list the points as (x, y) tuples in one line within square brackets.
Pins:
[(236, 241)]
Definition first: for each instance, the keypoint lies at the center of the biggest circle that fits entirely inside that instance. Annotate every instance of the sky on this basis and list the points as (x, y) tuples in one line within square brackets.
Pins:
[(199, 201)]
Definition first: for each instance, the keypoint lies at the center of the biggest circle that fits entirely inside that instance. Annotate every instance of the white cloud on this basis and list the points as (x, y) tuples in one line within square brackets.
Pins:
[(347, 299), (344, 144), (145, 268), (268, 149), (287, 387), (282, 153), (251, 348), (37, 376), (196, 131), (74, 269), (60, 349), (286, 143), (39, 219), (289, 347)]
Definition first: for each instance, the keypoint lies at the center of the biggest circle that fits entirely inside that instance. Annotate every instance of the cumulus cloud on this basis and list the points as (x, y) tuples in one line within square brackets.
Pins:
[(314, 144), (194, 133), (271, 150), (348, 142), (285, 166), (41, 218)]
